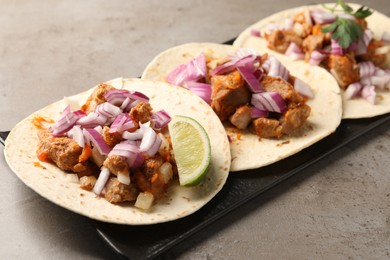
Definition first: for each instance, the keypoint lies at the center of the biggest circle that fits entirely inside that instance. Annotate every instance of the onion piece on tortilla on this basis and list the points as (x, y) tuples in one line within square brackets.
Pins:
[(269, 101), (101, 181), (353, 90), (294, 52), (303, 88), (316, 57), (203, 90), (96, 138)]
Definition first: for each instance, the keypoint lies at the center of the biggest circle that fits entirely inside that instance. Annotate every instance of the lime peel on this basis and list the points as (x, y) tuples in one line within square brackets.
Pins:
[(191, 148)]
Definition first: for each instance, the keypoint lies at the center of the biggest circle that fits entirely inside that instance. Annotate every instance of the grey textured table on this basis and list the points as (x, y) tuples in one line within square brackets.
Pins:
[(337, 209)]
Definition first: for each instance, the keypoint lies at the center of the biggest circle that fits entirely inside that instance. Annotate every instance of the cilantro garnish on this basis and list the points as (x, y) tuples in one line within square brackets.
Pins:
[(344, 30)]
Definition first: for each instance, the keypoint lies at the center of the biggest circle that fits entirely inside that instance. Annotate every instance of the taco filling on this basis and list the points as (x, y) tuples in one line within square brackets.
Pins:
[(341, 42), (248, 92), (116, 144)]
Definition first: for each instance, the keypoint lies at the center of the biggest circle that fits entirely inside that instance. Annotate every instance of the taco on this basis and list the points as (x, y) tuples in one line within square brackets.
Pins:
[(54, 164), (355, 51), (265, 117)]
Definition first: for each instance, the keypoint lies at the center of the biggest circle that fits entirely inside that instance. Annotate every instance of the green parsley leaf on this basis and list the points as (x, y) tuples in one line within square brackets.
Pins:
[(344, 31), (345, 7), (363, 12)]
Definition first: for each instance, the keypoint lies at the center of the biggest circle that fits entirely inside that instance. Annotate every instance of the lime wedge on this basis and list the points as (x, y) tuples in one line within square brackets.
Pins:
[(192, 150)]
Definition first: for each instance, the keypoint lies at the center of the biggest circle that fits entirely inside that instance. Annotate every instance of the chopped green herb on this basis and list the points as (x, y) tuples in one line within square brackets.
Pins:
[(344, 30)]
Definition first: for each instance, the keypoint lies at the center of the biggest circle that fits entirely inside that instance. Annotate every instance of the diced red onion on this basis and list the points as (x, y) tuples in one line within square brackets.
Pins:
[(160, 119), (155, 147), (92, 120), (99, 129), (98, 141), (64, 123), (136, 135), (336, 48), (194, 70), (252, 81), (139, 160), (256, 113), (203, 90), (150, 141), (303, 88), (122, 122), (79, 113), (362, 44), (294, 52), (117, 123), (247, 61), (225, 67), (369, 94), (101, 181), (245, 57), (276, 68), (245, 52), (178, 75), (380, 80), (116, 96), (76, 133), (166, 172), (352, 47), (353, 90), (124, 177), (125, 103), (108, 110), (255, 32), (135, 95), (316, 57), (127, 150), (144, 200), (366, 69), (322, 17), (269, 101)]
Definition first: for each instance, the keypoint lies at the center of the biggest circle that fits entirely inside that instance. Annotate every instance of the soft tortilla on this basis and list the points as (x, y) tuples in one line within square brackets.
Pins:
[(353, 108), (53, 184), (248, 152)]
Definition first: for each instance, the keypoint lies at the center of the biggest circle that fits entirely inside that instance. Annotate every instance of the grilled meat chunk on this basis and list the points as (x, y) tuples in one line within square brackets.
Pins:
[(64, 152), (147, 178), (87, 182), (313, 42), (379, 59), (111, 138), (285, 89), (228, 93), (267, 127), (96, 98), (242, 117), (280, 40), (290, 120), (141, 112), (344, 68), (294, 118), (116, 164), (116, 192)]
